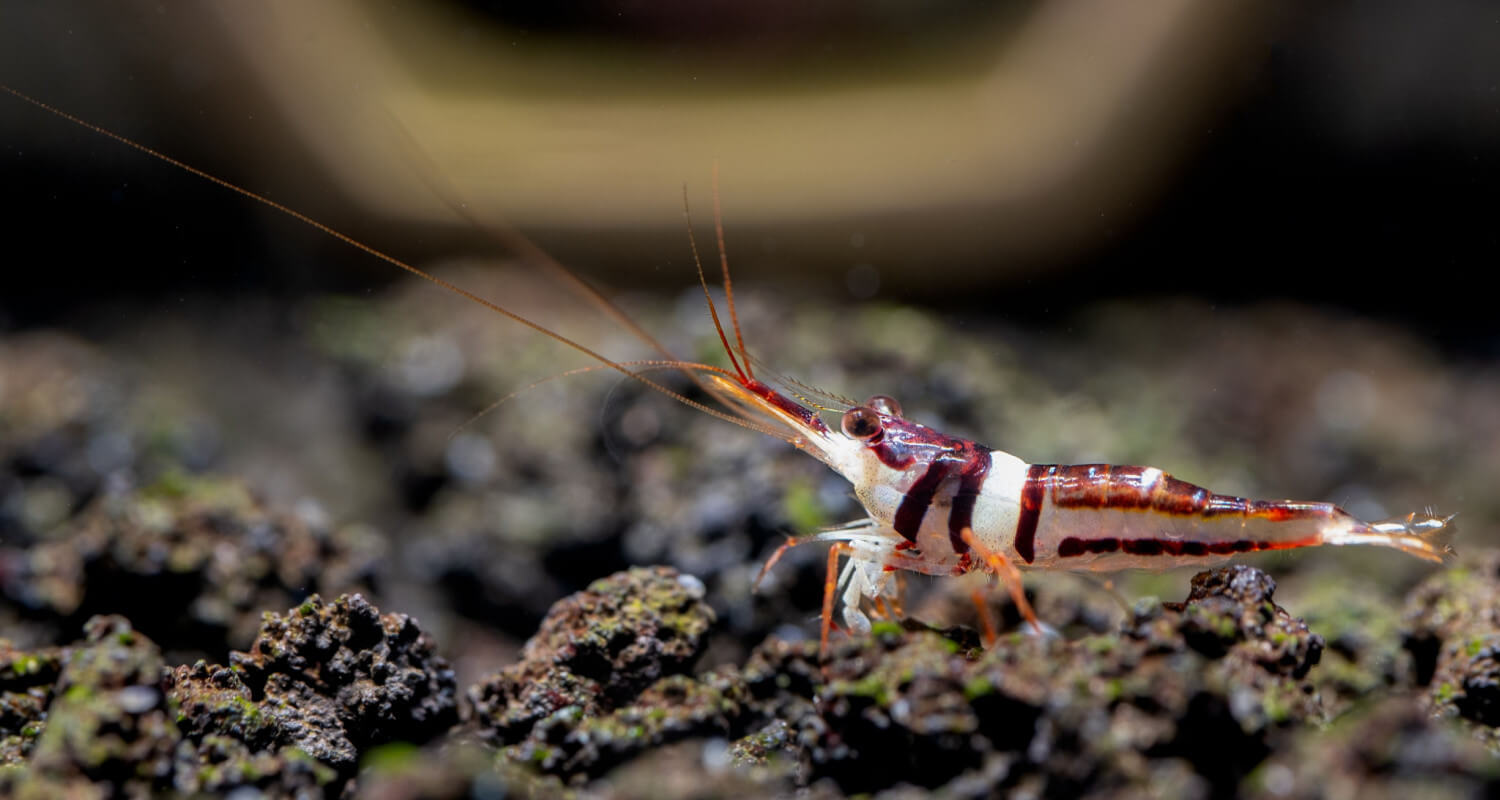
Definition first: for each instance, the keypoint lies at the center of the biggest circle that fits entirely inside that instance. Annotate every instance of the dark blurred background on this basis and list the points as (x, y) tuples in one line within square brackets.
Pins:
[(1024, 158)]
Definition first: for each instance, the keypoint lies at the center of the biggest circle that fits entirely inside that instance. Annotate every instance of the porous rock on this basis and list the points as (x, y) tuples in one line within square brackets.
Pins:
[(340, 677), (1188, 694), (107, 720), (606, 676)]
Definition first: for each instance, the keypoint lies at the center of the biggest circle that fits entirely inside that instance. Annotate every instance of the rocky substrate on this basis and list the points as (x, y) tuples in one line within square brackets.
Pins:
[(1217, 695), (167, 632), (323, 685)]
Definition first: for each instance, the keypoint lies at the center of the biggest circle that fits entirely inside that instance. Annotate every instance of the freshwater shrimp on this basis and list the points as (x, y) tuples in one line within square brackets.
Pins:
[(939, 504)]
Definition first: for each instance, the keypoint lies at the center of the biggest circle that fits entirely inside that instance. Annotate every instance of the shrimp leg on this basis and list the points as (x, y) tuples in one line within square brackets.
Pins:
[(1006, 572)]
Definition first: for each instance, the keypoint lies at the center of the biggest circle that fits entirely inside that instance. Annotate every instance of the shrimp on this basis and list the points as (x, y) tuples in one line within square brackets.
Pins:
[(944, 505), (939, 504)]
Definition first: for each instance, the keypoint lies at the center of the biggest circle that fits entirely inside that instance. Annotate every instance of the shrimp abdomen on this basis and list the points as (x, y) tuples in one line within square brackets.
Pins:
[(1104, 517)]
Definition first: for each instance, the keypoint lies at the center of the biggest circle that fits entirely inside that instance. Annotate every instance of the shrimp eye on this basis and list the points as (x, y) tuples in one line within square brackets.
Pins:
[(861, 423), (885, 405)]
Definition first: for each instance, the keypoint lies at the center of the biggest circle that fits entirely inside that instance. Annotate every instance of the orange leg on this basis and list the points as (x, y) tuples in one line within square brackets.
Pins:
[(986, 620), (791, 541), (1007, 572)]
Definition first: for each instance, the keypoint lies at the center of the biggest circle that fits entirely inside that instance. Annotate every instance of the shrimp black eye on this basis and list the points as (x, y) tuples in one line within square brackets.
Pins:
[(861, 423), (885, 405)]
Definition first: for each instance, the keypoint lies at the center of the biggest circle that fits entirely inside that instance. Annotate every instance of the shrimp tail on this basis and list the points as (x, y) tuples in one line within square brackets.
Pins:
[(1424, 535)]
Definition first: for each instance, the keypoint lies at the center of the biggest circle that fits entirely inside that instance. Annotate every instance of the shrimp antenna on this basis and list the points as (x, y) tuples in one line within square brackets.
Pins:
[(713, 310), (392, 260), (508, 237), (734, 314), (692, 368), (516, 242)]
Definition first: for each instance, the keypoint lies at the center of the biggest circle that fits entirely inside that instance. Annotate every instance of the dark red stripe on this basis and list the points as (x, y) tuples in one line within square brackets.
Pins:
[(914, 505), (971, 481), (1145, 547), (890, 455), (1074, 546), (1032, 493)]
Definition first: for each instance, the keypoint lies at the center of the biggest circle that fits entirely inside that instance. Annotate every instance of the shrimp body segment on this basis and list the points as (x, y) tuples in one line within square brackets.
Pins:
[(944, 505)]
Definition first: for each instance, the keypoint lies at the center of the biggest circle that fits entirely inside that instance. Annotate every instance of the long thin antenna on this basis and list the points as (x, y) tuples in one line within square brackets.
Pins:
[(734, 315), (389, 259), (713, 310), (513, 240), (642, 365)]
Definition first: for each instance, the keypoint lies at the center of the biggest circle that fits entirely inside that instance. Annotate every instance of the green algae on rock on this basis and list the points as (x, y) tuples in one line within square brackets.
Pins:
[(106, 717), (599, 651), (1212, 696), (674, 708), (323, 684), (26, 684), (107, 720), (341, 677), (1195, 692)]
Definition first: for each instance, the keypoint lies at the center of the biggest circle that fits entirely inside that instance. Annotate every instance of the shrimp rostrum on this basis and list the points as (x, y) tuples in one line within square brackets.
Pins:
[(934, 503)]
